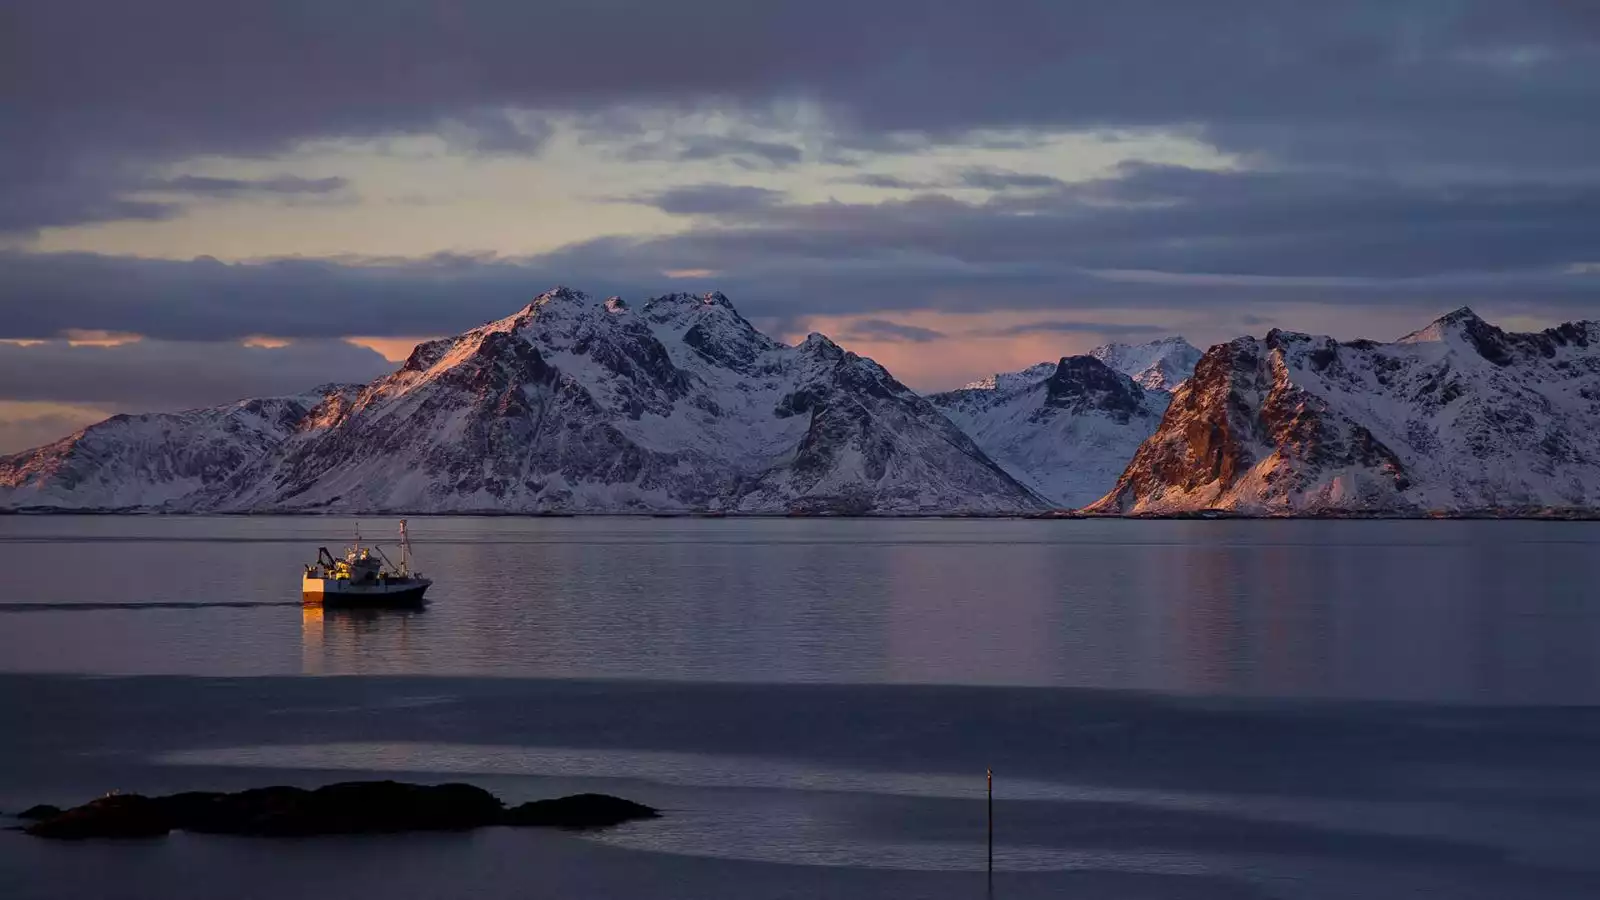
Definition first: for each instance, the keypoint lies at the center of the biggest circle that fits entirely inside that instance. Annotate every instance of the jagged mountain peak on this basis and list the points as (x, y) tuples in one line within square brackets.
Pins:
[(1010, 381), (711, 328), (1066, 428), (568, 404), (1453, 324), (1084, 383), (680, 303), (558, 294), (1458, 415), (820, 344), (1464, 335), (1158, 365)]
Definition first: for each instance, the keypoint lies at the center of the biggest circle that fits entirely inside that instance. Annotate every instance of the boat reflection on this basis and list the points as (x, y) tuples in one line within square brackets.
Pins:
[(336, 640)]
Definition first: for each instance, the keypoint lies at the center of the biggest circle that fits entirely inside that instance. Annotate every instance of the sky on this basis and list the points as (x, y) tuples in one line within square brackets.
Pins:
[(201, 202)]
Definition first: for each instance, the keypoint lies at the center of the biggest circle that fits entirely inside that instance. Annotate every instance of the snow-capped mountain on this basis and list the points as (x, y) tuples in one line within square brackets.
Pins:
[(1009, 382), (1067, 429), (157, 458), (571, 404), (1067, 434), (1159, 365), (1458, 416)]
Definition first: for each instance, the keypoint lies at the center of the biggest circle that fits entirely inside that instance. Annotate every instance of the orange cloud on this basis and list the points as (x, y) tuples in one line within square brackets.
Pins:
[(258, 340), (83, 337), (394, 349), (96, 337)]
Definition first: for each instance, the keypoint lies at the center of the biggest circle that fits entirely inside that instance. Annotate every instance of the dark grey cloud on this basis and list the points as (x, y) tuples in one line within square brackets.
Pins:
[(205, 185), (982, 177), (1260, 223), (163, 375), (96, 91), (496, 132), (1004, 180), (710, 199), (45, 295), (885, 330), (747, 153), (893, 182), (1105, 328)]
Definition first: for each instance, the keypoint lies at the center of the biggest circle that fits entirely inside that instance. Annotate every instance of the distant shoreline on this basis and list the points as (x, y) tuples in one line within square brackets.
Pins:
[(1534, 515)]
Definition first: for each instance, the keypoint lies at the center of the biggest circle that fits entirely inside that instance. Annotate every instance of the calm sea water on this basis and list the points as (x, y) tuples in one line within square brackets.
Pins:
[(1499, 612), (1306, 710)]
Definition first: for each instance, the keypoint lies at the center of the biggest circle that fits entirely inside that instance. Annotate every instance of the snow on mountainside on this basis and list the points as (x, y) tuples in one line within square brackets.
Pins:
[(1072, 451), (1458, 416), (149, 460), (1067, 434), (1157, 365), (1007, 382), (573, 404)]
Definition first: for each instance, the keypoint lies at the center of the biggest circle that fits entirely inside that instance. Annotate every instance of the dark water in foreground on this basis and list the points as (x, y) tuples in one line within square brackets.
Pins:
[(1203, 709)]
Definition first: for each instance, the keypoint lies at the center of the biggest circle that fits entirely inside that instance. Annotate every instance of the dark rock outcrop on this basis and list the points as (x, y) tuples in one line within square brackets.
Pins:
[(117, 815), (41, 811), (580, 811), (1084, 384), (357, 807)]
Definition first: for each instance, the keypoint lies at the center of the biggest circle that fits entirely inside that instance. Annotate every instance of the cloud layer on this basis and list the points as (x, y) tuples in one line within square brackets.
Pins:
[(165, 375), (1381, 158), (1480, 85)]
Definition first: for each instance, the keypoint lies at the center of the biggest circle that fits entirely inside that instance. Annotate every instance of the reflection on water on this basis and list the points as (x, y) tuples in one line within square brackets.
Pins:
[(1494, 611), (337, 641)]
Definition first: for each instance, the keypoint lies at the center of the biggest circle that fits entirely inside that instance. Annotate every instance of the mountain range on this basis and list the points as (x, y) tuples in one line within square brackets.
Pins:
[(582, 405), (569, 405), (1459, 416)]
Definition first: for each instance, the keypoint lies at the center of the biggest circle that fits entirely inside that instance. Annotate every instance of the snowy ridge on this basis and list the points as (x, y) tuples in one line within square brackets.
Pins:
[(1160, 365), (132, 461), (1009, 382), (573, 404), (1072, 452), (569, 404), (1459, 416), (1067, 435)]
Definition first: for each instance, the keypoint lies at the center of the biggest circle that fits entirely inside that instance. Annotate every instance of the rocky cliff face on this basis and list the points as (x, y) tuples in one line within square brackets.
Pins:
[(1458, 416), (571, 404)]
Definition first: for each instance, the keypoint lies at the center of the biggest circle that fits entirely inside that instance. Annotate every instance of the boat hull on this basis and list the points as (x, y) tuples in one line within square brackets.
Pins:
[(333, 593)]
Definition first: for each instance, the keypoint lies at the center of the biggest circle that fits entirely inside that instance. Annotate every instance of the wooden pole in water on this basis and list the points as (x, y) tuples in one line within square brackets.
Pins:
[(990, 774)]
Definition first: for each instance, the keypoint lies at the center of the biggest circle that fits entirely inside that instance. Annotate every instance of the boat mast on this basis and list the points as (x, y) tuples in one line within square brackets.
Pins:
[(405, 550)]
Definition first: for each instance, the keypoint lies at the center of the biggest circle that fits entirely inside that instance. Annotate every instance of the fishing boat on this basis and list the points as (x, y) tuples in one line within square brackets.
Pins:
[(364, 577)]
